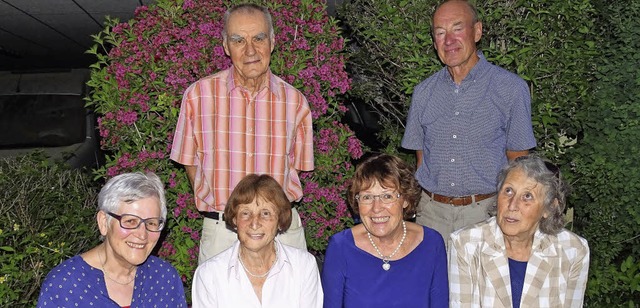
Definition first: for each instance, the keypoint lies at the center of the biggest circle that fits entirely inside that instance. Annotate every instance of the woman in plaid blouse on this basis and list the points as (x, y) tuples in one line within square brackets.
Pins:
[(522, 257)]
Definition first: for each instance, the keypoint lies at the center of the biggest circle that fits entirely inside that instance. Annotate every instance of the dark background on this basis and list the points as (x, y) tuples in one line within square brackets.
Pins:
[(46, 34)]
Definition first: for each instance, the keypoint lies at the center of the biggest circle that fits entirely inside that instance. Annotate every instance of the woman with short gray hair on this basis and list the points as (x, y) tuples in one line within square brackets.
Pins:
[(523, 255), (120, 272)]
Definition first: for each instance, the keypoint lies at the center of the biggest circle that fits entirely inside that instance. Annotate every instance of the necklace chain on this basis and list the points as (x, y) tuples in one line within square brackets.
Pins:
[(261, 275), (385, 259), (102, 263)]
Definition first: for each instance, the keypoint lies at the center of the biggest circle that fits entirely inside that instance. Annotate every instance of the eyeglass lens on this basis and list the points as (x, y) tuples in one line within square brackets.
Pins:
[(130, 221), (385, 198)]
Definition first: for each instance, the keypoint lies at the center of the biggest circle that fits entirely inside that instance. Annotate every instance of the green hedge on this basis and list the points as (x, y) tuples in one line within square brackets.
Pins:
[(607, 180), (581, 62), (548, 43), (47, 214)]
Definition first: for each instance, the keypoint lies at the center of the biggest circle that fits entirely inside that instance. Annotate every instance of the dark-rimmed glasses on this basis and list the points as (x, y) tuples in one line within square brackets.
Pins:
[(130, 222), (384, 198)]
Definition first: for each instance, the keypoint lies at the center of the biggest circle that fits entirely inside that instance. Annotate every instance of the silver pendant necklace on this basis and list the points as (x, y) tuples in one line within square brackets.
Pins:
[(385, 260), (261, 275)]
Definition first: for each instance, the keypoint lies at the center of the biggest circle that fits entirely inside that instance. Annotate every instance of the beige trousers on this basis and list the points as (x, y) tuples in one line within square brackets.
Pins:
[(446, 218)]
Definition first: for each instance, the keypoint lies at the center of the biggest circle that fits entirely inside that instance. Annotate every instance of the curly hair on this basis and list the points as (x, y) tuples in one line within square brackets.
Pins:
[(391, 172), (548, 175)]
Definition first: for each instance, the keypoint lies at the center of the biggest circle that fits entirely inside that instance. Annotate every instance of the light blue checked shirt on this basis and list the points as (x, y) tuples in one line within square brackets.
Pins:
[(465, 130)]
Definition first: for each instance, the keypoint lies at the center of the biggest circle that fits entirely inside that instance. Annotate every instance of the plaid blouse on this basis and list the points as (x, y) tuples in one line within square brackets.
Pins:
[(556, 273)]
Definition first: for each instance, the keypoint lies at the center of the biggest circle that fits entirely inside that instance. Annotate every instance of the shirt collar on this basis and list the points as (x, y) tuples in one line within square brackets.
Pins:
[(235, 269), (476, 71), (542, 243), (271, 84), (480, 67)]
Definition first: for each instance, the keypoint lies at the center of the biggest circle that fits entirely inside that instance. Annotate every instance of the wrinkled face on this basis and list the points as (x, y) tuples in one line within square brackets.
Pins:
[(520, 205), (249, 46), (379, 218), (455, 35), (131, 246), (257, 224)]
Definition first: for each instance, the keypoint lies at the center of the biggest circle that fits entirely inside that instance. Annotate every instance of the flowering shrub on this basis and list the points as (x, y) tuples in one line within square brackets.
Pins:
[(144, 66)]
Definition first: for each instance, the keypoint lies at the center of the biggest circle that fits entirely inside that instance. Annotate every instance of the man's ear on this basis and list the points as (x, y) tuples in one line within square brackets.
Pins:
[(226, 47), (103, 222), (477, 29), (273, 43)]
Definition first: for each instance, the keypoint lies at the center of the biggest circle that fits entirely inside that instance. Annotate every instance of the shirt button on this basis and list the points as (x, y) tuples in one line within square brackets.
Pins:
[(251, 130), (453, 160), (250, 154), (453, 184), (455, 136), (456, 90), (457, 113)]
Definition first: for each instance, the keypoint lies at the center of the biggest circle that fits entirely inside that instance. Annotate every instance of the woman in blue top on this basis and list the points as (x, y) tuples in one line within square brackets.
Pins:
[(119, 272), (385, 261)]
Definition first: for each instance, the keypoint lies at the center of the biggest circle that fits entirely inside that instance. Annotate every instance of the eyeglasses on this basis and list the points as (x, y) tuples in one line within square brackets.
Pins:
[(384, 198), (130, 221)]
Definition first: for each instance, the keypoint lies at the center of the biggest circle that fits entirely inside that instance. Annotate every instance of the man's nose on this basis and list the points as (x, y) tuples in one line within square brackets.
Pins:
[(250, 50)]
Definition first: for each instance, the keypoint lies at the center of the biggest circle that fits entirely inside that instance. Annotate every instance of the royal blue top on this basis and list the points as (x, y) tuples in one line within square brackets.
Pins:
[(517, 270), (75, 283), (351, 277)]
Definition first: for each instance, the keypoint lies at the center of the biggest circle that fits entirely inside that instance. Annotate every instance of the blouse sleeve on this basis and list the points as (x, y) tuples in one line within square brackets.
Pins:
[(333, 274), (577, 282), (202, 290), (439, 296), (312, 295), (460, 279), (178, 298)]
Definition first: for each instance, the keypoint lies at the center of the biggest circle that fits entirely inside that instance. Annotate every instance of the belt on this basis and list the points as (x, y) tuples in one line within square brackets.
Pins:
[(212, 215), (458, 201)]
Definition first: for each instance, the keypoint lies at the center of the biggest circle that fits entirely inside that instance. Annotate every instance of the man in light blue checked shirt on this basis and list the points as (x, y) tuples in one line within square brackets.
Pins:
[(466, 121)]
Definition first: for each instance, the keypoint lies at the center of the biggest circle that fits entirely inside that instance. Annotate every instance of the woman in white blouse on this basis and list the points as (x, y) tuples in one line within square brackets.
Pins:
[(258, 270)]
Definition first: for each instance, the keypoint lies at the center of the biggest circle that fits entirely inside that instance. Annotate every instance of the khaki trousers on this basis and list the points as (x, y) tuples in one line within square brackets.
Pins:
[(446, 218)]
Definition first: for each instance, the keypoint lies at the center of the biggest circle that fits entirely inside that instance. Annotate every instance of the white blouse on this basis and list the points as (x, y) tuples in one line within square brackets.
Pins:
[(293, 281)]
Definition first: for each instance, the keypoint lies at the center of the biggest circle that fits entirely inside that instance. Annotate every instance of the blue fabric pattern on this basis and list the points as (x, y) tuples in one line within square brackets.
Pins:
[(465, 130), (74, 283)]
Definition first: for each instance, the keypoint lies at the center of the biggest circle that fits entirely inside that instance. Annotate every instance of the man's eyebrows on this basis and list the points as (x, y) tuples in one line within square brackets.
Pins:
[(238, 37), (260, 35)]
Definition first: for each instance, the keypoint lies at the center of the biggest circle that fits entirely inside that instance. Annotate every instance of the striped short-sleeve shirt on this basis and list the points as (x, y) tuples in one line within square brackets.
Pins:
[(227, 133)]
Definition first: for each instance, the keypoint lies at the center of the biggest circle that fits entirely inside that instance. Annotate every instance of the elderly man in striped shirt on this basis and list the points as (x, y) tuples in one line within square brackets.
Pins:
[(239, 121)]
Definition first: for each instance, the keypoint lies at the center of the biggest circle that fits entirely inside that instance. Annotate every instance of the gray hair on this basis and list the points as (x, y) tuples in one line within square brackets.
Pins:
[(548, 175), (248, 8), (130, 187)]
